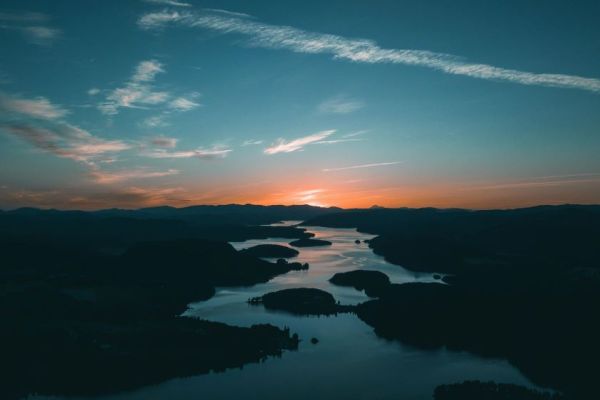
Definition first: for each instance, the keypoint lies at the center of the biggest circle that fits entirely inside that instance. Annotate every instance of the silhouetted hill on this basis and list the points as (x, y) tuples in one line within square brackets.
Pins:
[(441, 240), (239, 214), (113, 232), (81, 321), (522, 285)]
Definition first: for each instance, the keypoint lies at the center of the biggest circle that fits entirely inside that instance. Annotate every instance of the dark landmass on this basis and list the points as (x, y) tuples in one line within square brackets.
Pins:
[(87, 356), (550, 337), (97, 291), (301, 301), (292, 266), (522, 286), (100, 292), (228, 214), (76, 321), (115, 233), (476, 390), (453, 241), (216, 263), (271, 251), (310, 243), (372, 282)]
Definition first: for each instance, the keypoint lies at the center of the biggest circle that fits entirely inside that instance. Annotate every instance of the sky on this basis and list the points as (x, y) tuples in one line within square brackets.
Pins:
[(140, 103)]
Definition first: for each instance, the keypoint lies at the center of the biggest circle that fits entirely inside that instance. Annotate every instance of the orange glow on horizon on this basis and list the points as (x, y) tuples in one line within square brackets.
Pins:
[(317, 192)]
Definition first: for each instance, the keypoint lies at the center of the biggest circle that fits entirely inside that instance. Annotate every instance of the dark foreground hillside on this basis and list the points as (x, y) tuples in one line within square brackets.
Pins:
[(523, 285), (89, 304)]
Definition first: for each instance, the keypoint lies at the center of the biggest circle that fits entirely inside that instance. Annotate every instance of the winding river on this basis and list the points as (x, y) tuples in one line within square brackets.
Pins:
[(348, 362)]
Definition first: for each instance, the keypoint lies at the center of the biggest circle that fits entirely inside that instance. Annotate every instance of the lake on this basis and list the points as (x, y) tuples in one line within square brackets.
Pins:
[(348, 362)]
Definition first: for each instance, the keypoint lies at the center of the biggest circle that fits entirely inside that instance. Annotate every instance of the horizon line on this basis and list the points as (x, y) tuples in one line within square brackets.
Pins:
[(373, 207)]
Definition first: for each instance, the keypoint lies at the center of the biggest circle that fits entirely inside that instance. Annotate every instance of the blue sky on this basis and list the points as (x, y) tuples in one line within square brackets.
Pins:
[(397, 103)]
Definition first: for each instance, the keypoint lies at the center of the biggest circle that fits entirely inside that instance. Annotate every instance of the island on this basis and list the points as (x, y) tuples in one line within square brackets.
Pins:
[(271, 251), (301, 301), (291, 266), (307, 242), (372, 282)]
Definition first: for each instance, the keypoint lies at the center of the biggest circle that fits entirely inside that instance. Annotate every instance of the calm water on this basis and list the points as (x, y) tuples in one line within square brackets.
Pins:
[(349, 362)]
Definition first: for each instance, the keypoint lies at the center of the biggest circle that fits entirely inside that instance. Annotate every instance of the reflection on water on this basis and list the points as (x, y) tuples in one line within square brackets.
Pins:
[(349, 362)]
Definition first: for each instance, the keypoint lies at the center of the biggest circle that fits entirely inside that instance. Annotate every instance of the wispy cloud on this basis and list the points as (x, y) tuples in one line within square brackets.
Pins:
[(283, 146), (183, 104), (542, 181), (210, 153), (138, 91), (38, 122), (106, 196), (93, 91), (146, 71), (382, 164), (354, 134), (168, 3), (164, 142), (41, 35), (155, 121), (106, 177), (39, 107), (355, 50), (252, 142), (30, 25), (163, 147), (229, 13), (65, 140), (336, 141), (340, 105)]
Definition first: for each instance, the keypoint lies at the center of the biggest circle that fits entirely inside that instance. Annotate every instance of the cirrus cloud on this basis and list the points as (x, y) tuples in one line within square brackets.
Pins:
[(200, 152), (284, 146), (340, 105), (355, 50), (106, 177), (39, 107)]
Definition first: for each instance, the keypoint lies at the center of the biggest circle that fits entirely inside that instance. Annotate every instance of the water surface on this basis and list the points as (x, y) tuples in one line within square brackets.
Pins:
[(349, 362)]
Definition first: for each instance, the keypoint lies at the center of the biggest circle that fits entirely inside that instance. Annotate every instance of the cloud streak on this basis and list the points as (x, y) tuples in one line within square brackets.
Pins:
[(283, 146), (340, 105), (355, 50), (382, 164), (251, 142), (29, 24), (183, 104), (543, 181), (40, 107), (137, 92), (104, 177), (65, 140), (164, 142), (202, 153)]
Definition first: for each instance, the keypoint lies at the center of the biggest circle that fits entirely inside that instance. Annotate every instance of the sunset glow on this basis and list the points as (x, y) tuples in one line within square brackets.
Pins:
[(254, 104)]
